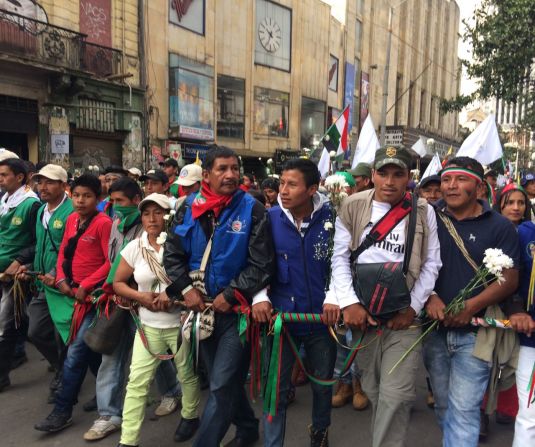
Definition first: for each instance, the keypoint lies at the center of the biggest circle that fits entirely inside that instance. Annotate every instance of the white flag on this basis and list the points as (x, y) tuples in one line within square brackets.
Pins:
[(483, 143), (433, 167), (420, 147), (367, 144), (324, 163)]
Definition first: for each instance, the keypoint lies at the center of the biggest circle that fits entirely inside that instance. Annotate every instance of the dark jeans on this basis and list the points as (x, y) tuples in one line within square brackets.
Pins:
[(320, 351), (42, 333), (79, 358), (227, 361)]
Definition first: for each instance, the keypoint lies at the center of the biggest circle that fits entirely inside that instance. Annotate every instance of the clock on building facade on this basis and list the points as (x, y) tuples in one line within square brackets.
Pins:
[(273, 35)]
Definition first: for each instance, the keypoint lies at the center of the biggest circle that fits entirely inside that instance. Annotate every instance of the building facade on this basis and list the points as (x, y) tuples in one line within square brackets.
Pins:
[(267, 77), (70, 81)]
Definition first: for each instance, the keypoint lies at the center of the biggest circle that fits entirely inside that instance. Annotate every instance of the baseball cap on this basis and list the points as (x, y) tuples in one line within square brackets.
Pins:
[(430, 179), (135, 171), (159, 199), (347, 176), (527, 178), (170, 162), (52, 172), (361, 170), (390, 155), (5, 154), (189, 175), (155, 174)]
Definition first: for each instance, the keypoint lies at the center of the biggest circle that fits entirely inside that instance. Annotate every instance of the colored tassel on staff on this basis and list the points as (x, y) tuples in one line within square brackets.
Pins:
[(531, 286), (271, 393), (531, 387)]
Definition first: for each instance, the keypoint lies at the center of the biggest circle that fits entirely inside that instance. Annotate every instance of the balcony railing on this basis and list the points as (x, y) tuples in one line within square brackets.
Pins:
[(40, 42), (101, 61)]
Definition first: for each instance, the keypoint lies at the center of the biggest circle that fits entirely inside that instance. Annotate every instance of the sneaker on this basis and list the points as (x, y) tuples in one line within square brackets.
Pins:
[(167, 405), (101, 428), (186, 429), (54, 422)]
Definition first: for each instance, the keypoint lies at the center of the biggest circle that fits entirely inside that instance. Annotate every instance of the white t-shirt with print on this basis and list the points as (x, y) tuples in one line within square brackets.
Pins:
[(145, 279)]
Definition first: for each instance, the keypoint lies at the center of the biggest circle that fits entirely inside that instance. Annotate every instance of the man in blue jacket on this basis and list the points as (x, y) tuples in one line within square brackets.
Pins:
[(301, 233), (240, 260)]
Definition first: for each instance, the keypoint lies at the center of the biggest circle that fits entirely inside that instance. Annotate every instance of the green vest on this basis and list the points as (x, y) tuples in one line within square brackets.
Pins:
[(48, 242), (15, 231)]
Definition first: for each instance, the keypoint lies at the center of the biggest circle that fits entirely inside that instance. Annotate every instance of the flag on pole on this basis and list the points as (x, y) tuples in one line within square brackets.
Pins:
[(483, 144), (420, 147), (335, 139), (433, 167), (324, 164), (367, 144)]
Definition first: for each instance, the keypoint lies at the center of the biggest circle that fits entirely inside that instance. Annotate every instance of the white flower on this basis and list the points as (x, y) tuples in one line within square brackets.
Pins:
[(430, 141), (160, 240), (343, 195), (332, 154), (328, 225), (532, 201), (167, 217), (335, 181), (270, 161), (172, 212), (496, 261)]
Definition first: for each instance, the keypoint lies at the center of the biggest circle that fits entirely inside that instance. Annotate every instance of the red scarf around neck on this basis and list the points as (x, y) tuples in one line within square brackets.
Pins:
[(207, 200)]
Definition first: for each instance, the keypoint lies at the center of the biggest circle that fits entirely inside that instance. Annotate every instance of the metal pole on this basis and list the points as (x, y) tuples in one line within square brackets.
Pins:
[(386, 75)]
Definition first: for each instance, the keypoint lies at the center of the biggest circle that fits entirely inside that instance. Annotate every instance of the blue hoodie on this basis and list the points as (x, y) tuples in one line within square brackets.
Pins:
[(526, 233)]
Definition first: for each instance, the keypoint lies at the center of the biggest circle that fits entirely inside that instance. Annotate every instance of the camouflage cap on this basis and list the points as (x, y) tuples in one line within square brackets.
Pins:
[(391, 155)]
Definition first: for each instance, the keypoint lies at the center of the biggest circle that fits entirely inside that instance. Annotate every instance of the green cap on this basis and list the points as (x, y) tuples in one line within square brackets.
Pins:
[(391, 155), (362, 170), (348, 177)]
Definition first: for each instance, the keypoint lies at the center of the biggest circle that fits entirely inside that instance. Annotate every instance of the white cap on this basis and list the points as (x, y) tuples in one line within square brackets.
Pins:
[(159, 199), (53, 172), (135, 171), (5, 154), (189, 175)]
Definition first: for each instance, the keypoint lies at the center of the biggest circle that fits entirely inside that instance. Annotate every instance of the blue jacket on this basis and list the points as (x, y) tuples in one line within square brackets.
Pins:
[(230, 244), (302, 263)]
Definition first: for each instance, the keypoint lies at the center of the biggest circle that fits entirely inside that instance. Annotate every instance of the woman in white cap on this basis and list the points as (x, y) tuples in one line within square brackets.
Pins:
[(159, 326)]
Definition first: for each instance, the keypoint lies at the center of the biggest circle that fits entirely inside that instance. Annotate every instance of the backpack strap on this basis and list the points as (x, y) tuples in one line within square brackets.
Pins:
[(409, 238), (386, 224)]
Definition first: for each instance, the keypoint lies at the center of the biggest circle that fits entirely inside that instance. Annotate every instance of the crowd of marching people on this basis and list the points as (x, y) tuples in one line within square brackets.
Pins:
[(201, 277)]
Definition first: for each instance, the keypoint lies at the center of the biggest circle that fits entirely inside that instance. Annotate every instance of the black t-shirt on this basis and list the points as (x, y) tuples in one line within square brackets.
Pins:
[(488, 230)]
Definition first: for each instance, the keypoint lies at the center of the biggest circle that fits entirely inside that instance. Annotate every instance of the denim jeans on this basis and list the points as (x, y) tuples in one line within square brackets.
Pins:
[(8, 332), (227, 362), (320, 351), (459, 381), (341, 356), (111, 377), (79, 358)]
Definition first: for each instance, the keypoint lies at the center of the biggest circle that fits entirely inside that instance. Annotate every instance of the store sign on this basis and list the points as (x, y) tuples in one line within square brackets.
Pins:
[(196, 133), (59, 143), (190, 151), (394, 137), (282, 156), (188, 14), (349, 88)]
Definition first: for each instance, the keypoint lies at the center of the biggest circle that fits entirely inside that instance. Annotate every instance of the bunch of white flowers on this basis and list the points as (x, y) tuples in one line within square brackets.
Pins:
[(328, 225), (496, 261), (335, 181)]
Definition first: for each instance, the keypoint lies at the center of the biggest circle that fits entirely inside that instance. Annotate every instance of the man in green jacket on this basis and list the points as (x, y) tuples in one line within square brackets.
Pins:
[(18, 209), (49, 227)]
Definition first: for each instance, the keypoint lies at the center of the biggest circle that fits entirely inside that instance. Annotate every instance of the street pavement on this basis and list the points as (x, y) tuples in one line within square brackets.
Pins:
[(24, 403)]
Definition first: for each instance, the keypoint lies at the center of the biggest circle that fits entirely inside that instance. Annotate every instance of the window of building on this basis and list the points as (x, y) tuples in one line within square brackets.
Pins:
[(187, 14), (422, 107), (312, 121), (271, 112), (230, 107), (333, 74), (96, 115), (358, 37), (191, 98), (360, 7)]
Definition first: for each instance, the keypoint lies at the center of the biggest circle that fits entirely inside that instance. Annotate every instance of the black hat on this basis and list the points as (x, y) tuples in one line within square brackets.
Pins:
[(391, 155), (430, 179), (155, 174), (170, 162)]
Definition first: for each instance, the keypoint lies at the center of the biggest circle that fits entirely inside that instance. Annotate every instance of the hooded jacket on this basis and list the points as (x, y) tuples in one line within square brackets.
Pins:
[(302, 262)]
